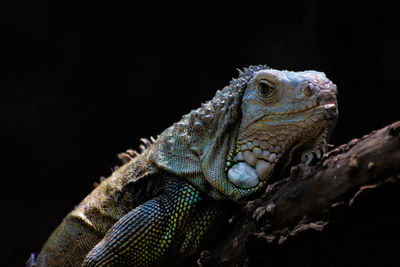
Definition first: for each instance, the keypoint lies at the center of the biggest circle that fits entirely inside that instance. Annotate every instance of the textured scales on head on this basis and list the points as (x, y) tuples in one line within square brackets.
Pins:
[(287, 116), (251, 130)]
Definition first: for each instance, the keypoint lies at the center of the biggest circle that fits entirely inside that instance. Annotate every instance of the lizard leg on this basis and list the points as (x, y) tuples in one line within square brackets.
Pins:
[(175, 224)]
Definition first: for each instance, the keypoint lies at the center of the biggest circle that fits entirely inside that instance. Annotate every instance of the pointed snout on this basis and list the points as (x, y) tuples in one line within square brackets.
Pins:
[(324, 96)]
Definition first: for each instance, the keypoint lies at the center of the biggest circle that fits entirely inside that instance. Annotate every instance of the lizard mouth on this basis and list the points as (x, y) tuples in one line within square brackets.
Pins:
[(255, 160)]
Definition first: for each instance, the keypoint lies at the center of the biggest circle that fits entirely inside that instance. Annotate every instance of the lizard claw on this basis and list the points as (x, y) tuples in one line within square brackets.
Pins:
[(310, 158)]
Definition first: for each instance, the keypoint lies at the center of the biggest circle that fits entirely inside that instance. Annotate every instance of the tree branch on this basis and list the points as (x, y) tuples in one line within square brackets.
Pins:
[(302, 219)]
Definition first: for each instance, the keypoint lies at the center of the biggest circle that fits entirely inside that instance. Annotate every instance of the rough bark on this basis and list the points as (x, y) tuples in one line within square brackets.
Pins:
[(342, 211)]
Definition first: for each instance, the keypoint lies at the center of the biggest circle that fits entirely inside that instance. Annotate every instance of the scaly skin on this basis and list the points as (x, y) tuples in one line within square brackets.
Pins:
[(169, 201)]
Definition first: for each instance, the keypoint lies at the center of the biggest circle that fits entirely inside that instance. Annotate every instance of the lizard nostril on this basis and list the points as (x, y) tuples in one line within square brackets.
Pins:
[(308, 90), (325, 97)]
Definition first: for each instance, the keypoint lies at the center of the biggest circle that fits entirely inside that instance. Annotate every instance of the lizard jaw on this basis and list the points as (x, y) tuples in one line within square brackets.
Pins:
[(247, 168), (253, 162)]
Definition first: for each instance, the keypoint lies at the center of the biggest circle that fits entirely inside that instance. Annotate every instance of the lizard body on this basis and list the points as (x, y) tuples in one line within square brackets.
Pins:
[(168, 202)]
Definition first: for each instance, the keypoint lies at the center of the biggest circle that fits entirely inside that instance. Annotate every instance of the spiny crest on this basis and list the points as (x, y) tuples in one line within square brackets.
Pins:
[(225, 101), (248, 72), (130, 154)]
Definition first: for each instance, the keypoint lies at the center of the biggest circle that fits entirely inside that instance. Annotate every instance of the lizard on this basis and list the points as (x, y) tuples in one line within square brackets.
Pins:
[(170, 200)]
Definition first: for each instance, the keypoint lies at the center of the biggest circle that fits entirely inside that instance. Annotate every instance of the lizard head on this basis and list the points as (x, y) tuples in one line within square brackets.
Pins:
[(286, 117), (250, 132)]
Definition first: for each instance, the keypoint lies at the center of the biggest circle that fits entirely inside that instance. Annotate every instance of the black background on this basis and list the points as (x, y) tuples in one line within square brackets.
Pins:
[(83, 81)]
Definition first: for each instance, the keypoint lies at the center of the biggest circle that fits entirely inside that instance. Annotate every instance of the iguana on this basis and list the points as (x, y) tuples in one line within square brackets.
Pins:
[(169, 201)]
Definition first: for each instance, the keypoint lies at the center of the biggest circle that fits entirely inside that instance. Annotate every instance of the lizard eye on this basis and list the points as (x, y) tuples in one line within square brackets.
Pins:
[(265, 87)]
